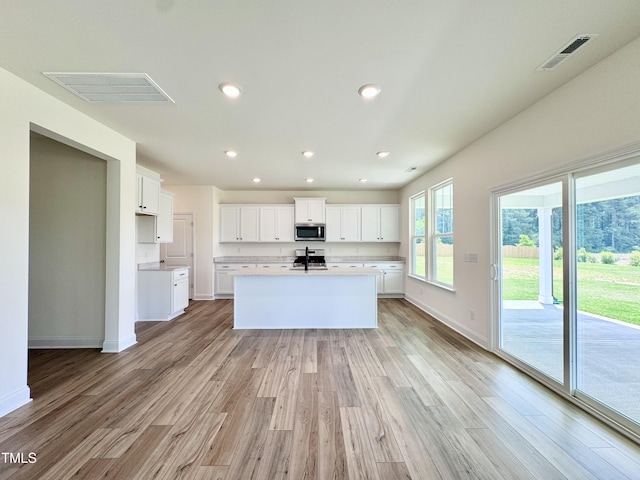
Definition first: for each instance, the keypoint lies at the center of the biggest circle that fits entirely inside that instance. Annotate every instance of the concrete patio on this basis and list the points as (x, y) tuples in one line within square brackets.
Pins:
[(608, 351)]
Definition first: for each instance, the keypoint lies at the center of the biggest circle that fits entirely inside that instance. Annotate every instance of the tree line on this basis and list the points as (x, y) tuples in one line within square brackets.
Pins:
[(607, 225)]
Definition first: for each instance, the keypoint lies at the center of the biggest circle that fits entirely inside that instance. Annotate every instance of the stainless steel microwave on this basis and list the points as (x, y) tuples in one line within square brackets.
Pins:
[(309, 232)]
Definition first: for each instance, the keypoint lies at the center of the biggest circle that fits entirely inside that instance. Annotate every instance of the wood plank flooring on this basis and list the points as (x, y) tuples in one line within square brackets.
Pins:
[(195, 399)]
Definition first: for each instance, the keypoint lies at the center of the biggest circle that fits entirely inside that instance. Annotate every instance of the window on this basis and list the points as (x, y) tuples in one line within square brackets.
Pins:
[(441, 234), (418, 242)]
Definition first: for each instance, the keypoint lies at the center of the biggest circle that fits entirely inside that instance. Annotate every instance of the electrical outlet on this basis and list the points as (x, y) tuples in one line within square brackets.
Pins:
[(472, 315)]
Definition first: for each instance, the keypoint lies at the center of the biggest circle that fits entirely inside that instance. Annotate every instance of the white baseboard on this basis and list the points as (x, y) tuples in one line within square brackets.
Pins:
[(451, 323), (198, 296), (65, 342), (14, 400), (115, 346)]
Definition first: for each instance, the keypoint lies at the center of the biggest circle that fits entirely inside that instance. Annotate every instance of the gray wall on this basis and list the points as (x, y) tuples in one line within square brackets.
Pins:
[(67, 246)]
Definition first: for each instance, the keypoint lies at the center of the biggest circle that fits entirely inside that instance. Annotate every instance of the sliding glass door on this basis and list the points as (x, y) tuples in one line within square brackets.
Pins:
[(567, 284), (531, 309), (608, 288)]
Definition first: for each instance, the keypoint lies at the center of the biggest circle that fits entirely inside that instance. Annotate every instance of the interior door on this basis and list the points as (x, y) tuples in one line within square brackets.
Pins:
[(180, 252)]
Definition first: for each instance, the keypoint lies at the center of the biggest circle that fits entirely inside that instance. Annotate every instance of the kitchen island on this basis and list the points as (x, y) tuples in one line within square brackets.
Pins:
[(294, 298)]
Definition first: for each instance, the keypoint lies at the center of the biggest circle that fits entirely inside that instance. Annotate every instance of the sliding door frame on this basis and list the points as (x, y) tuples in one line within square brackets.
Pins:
[(567, 175)]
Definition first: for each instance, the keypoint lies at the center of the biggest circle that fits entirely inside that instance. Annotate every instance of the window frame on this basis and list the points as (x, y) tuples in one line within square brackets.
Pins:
[(434, 235), (413, 236)]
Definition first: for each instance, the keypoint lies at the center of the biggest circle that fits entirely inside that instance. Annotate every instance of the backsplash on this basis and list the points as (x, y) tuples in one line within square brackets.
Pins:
[(288, 249)]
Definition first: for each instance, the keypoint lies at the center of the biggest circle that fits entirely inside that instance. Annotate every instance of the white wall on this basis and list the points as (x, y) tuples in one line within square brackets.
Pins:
[(332, 196), (24, 108), (597, 112), (67, 246)]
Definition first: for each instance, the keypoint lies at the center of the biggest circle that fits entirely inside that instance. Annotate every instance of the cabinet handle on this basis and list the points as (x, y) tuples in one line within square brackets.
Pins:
[(175, 284)]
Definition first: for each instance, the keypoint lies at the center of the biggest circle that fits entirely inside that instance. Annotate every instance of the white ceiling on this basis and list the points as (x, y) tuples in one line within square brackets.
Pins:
[(450, 72)]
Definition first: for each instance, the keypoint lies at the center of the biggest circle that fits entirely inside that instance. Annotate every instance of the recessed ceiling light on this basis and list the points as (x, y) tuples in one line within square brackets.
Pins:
[(362, 180), (307, 153), (231, 153), (369, 90), (383, 153), (308, 180), (256, 180), (230, 90)]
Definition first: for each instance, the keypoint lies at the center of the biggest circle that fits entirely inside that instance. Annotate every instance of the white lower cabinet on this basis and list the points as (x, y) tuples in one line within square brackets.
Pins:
[(392, 279), (223, 281), (162, 294)]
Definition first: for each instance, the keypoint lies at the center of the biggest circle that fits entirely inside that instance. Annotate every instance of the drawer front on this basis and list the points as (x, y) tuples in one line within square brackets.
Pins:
[(385, 265), (180, 273), (220, 267)]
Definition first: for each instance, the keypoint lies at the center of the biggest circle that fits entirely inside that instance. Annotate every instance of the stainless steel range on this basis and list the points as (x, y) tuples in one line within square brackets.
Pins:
[(309, 259)]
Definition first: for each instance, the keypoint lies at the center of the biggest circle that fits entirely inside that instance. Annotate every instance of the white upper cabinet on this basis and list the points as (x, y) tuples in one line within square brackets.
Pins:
[(239, 223), (277, 223), (148, 195), (310, 210), (157, 228), (165, 218), (343, 223), (380, 223)]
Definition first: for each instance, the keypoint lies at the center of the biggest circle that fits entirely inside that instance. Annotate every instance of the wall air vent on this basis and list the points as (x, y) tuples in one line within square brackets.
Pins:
[(576, 42), (111, 87)]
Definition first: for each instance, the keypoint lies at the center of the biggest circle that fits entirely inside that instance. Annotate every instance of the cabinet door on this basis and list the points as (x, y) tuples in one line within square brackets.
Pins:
[(165, 219), (310, 210), (285, 224), (268, 224), (229, 224), (316, 211), (139, 193), (351, 224), (150, 196), (180, 294), (249, 222), (370, 221), (334, 224), (224, 283), (393, 281), (389, 224)]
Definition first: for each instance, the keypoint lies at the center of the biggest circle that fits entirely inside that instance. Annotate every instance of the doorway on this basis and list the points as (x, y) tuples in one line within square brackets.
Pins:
[(67, 246), (182, 250)]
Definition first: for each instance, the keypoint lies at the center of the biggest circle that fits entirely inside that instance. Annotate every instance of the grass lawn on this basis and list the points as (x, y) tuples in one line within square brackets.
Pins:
[(611, 291)]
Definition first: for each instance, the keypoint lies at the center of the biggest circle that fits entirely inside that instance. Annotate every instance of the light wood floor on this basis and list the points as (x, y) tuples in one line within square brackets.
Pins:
[(195, 399)]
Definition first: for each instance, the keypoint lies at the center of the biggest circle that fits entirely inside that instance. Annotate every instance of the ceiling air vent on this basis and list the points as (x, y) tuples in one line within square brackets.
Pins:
[(576, 42), (111, 87), (411, 169)]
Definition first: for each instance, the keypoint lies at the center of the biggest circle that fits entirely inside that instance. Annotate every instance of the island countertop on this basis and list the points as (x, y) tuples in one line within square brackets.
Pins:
[(337, 271)]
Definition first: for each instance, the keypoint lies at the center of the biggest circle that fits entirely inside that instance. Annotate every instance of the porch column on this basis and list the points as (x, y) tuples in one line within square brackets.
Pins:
[(545, 256)]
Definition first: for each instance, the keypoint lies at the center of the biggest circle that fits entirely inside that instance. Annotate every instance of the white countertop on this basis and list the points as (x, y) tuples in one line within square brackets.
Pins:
[(271, 272), (160, 267)]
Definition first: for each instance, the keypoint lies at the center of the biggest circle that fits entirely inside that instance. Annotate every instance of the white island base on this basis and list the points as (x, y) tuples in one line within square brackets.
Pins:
[(336, 298)]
